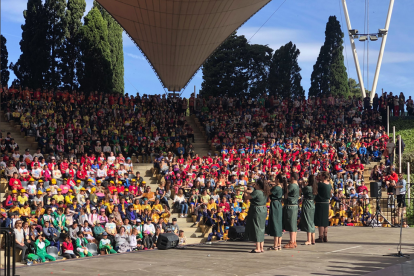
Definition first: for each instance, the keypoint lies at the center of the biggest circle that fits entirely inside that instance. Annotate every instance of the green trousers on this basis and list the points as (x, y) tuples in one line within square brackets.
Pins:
[(82, 255), (43, 257), (109, 249)]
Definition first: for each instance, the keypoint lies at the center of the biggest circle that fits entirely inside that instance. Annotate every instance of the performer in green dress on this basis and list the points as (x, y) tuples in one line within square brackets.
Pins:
[(291, 218), (307, 215), (256, 217), (275, 214), (322, 206)]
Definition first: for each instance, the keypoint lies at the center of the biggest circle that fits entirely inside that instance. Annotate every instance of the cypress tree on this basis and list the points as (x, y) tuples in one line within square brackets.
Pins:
[(329, 73), (4, 57), (284, 73), (116, 48), (96, 73), (71, 55), (32, 65), (56, 32)]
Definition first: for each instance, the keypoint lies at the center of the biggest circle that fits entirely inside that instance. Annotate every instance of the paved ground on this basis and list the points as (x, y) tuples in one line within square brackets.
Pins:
[(350, 251)]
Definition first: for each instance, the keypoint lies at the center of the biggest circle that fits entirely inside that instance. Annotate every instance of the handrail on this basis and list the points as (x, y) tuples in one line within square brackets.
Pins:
[(9, 260)]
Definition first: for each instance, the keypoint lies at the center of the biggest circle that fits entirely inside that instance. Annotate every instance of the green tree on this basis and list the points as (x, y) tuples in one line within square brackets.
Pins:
[(96, 73), (236, 69), (56, 33), (32, 65), (284, 74), (4, 56), (116, 47), (355, 89), (71, 55), (329, 73)]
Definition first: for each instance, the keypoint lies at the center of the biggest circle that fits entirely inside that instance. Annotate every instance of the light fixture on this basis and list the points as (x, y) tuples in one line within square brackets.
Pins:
[(383, 31), (373, 38), (363, 38), (356, 36), (353, 32)]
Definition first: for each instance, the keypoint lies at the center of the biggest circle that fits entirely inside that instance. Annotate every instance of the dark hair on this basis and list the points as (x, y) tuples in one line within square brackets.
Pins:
[(294, 176), (325, 176), (284, 182), (312, 182), (263, 185)]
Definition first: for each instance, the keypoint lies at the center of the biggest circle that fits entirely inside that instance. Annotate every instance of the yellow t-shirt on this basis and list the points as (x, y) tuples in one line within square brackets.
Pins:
[(59, 198), (242, 216), (22, 199), (25, 211), (157, 207), (68, 199), (14, 209), (211, 206), (145, 206), (137, 207)]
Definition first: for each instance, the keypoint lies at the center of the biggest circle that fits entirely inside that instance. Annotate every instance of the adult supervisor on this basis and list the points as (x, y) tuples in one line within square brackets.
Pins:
[(256, 217), (322, 206), (307, 216), (291, 213), (275, 213)]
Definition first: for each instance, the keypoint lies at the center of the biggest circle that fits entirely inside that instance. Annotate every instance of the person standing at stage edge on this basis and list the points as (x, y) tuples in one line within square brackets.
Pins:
[(275, 213), (256, 217), (307, 216), (322, 206), (291, 213)]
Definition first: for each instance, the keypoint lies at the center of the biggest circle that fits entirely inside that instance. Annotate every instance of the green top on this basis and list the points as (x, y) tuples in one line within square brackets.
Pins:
[(293, 194), (324, 192), (41, 250), (258, 198), (81, 242), (308, 193), (276, 193)]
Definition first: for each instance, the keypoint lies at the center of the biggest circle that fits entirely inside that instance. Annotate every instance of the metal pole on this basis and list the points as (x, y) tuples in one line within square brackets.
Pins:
[(388, 121), (408, 181), (399, 154), (393, 139), (381, 52), (354, 52)]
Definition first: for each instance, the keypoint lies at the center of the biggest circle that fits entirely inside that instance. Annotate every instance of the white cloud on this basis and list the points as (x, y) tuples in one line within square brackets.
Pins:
[(135, 56), (12, 10)]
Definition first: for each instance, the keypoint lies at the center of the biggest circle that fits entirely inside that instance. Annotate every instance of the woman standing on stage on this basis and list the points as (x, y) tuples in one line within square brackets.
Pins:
[(322, 206), (256, 217), (275, 213), (291, 217), (307, 215)]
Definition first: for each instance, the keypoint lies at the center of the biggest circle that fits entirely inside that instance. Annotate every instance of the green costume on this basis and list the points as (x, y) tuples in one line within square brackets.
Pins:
[(256, 217), (322, 204), (275, 212), (307, 215), (291, 217), (105, 244), (60, 220), (82, 242), (41, 250)]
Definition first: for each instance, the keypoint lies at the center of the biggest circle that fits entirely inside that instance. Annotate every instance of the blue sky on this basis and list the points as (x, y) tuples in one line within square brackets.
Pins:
[(300, 21)]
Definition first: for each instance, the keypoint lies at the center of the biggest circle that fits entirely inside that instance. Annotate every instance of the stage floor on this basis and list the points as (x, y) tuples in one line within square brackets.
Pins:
[(350, 251)]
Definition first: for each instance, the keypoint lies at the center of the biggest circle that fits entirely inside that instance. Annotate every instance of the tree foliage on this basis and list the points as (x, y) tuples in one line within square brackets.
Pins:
[(236, 69), (55, 37), (4, 56), (33, 64), (329, 73), (71, 55), (116, 48), (354, 88), (284, 73), (97, 72)]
